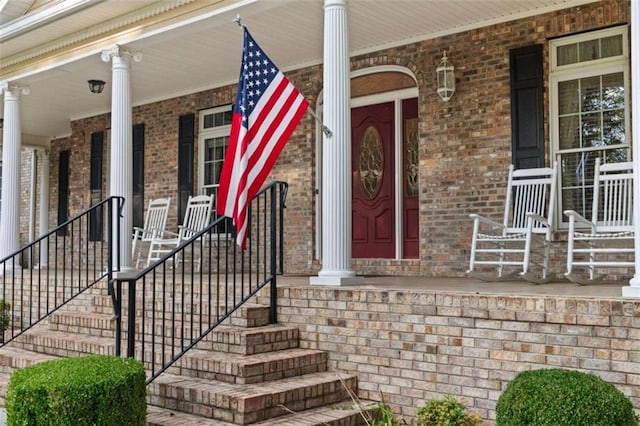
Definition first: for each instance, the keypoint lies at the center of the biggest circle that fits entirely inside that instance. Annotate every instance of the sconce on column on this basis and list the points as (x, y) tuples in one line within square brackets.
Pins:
[(446, 78)]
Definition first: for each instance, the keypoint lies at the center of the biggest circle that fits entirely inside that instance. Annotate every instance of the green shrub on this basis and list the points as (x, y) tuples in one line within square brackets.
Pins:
[(447, 411), (556, 397), (92, 390), (385, 416)]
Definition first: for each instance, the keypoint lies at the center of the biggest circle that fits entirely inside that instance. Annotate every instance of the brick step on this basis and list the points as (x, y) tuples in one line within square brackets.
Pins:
[(59, 343), (249, 403), (232, 339), (90, 323), (229, 339), (246, 369), (262, 344), (4, 384), (12, 358), (249, 341), (341, 414), (248, 315), (157, 416)]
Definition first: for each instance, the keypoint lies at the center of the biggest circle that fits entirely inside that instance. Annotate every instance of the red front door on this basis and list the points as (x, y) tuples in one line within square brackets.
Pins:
[(373, 214)]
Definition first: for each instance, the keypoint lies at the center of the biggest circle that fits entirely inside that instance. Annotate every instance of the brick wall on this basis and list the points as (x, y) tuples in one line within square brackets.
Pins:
[(415, 345), (465, 144)]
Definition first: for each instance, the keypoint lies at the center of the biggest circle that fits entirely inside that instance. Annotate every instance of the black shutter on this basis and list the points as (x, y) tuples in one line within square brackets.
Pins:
[(138, 175), (527, 107), (185, 162), (63, 190), (95, 185)]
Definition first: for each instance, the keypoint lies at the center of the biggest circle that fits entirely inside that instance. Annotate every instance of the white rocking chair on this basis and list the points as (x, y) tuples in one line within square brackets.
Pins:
[(154, 224), (196, 218), (599, 242), (527, 223)]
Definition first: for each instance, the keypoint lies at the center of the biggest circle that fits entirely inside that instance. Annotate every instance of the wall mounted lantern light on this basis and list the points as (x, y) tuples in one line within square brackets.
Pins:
[(96, 86), (446, 78)]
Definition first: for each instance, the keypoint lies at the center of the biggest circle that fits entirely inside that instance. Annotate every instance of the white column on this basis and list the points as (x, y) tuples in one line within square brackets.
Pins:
[(43, 217), (336, 159), (634, 289), (121, 173), (12, 144)]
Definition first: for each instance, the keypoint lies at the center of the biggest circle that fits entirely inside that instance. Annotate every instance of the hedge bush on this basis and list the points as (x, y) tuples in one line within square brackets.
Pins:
[(447, 411), (557, 397), (93, 390)]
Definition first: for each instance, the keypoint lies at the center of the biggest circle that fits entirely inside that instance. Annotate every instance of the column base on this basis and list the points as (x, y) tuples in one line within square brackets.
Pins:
[(336, 280), (10, 270), (633, 290)]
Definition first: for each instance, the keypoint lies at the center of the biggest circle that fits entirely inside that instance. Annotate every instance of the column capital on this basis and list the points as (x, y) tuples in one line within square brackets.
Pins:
[(119, 52), (338, 3), (14, 88)]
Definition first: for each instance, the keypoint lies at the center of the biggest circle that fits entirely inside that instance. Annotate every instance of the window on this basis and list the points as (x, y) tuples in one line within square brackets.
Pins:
[(589, 110), (215, 126), (213, 138)]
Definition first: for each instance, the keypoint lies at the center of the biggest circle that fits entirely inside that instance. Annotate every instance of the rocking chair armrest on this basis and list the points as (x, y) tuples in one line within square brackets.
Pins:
[(534, 217), (189, 229), (486, 220), (577, 217), (161, 235)]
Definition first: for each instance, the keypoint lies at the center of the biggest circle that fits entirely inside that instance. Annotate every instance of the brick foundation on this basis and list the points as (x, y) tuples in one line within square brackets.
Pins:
[(411, 346)]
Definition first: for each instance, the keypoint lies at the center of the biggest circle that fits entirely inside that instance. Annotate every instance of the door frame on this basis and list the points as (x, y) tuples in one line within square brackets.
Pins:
[(394, 96)]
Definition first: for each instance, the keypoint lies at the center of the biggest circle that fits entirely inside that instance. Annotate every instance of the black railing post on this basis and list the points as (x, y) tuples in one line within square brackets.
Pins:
[(116, 298), (131, 318), (110, 215), (283, 194), (273, 309)]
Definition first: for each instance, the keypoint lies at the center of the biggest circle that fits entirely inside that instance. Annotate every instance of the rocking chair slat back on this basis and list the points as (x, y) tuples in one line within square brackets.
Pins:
[(531, 191), (612, 207)]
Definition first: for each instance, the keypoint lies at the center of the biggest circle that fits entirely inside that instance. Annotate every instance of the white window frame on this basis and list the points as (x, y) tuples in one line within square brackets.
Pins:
[(598, 67), (208, 133)]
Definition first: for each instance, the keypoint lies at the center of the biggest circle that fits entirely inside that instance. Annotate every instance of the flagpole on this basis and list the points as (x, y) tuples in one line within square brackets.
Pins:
[(327, 132)]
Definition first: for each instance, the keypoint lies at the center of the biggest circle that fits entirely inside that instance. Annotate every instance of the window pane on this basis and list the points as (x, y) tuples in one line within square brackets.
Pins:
[(611, 46), (577, 181), (567, 54), (569, 132), (568, 96), (613, 127), (227, 117), (591, 130), (613, 91), (590, 93), (589, 50), (208, 121)]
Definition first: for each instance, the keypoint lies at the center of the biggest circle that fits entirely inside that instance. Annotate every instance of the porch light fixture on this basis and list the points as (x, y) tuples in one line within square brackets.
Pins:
[(446, 78), (96, 86)]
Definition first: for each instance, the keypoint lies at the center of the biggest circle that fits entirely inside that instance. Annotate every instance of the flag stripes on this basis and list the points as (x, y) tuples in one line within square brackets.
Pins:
[(268, 108)]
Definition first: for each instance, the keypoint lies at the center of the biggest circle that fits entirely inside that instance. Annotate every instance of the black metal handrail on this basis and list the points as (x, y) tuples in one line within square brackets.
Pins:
[(171, 306), (63, 263)]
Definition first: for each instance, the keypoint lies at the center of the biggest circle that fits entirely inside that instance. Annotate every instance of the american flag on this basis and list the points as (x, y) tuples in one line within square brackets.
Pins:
[(267, 110)]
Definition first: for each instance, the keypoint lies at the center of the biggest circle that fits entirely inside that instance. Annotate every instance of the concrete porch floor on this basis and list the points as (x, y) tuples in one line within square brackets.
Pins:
[(601, 290)]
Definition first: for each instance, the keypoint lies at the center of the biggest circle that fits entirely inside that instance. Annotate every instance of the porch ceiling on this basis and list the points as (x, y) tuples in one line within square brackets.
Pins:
[(194, 45)]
